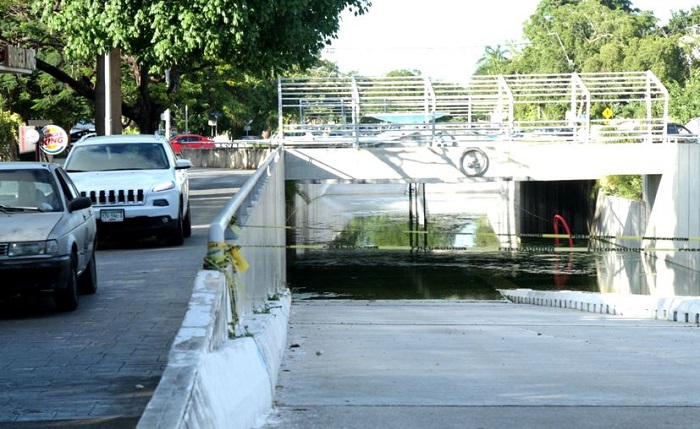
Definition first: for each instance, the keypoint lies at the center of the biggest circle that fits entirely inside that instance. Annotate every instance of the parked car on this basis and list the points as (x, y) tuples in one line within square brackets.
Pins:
[(137, 185), (47, 234), (678, 133), (79, 133), (191, 141)]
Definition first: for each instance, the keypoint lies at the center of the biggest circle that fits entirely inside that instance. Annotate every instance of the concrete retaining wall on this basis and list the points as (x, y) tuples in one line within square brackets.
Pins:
[(676, 212), (675, 221), (674, 218), (248, 158), (615, 216)]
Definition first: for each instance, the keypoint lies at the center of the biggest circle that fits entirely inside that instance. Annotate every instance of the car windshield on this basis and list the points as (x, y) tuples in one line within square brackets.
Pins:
[(28, 190), (117, 156)]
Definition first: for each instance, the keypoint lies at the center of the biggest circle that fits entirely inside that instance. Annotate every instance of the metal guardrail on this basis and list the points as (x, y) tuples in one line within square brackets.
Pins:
[(239, 224), (581, 108)]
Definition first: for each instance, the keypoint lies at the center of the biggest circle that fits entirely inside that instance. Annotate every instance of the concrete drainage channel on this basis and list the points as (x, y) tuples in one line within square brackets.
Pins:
[(675, 309)]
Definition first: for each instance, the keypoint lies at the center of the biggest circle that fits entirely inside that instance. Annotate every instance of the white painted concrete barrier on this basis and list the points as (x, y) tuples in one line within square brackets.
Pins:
[(212, 381), (223, 364), (674, 309)]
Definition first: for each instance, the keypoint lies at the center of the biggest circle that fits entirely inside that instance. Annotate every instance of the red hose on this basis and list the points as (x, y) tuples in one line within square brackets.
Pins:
[(556, 230)]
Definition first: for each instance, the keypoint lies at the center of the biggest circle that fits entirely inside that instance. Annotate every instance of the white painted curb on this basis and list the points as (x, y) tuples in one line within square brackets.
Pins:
[(676, 309)]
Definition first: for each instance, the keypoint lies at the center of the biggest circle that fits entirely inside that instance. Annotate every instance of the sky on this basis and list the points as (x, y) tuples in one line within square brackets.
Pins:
[(443, 39)]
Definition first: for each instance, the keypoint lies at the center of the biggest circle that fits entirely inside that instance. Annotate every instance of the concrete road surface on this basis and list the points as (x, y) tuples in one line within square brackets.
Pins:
[(447, 364)]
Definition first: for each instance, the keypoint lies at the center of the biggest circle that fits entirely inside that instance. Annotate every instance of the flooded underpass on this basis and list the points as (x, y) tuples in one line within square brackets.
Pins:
[(400, 323), (384, 242)]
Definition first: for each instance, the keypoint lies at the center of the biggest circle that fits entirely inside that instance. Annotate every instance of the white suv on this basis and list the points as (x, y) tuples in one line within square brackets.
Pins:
[(138, 187)]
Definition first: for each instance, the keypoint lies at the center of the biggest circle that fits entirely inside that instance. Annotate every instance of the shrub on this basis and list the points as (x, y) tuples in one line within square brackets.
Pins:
[(9, 126)]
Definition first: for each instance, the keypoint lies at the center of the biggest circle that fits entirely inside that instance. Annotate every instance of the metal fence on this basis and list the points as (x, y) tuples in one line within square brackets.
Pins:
[(582, 108)]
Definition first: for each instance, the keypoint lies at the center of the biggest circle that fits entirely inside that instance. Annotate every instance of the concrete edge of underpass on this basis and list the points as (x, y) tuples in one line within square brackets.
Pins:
[(676, 309), (212, 380)]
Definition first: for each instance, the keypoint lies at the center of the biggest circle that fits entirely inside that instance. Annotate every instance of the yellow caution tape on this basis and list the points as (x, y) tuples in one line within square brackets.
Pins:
[(238, 260), (219, 254)]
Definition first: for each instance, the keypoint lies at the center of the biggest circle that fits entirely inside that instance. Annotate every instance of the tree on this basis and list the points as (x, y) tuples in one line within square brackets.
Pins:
[(9, 124), (494, 61), (185, 37), (588, 36), (569, 37), (39, 96), (403, 73)]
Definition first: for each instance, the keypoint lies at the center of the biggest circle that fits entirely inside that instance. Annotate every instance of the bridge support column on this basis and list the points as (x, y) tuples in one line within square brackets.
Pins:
[(504, 221), (650, 186), (417, 215)]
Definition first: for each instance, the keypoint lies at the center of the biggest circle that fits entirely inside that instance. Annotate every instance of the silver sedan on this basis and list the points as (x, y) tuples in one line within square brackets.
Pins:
[(47, 234)]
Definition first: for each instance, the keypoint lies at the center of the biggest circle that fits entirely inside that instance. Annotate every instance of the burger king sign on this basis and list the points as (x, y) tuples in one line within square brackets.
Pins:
[(55, 140)]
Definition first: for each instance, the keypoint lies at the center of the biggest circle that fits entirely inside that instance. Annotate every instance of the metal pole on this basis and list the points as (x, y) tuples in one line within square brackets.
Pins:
[(108, 94), (410, 215), (166, 114), (425, 219)]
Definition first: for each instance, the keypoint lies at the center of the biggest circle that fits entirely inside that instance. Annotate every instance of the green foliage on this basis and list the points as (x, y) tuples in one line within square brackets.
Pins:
[(686, 105), (388, 231), (9, 128), (495, 61), (609, 36), (238, 97), (223, 55), (192, 39), (403, 73), (250, 35), (486, 238), (63, 101), (629, 187)]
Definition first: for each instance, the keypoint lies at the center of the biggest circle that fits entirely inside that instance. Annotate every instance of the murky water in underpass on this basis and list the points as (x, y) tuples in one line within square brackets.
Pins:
[(372, 244)]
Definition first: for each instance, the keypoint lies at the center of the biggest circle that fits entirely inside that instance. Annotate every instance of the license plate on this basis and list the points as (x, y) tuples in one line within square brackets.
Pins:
[(112, 215)]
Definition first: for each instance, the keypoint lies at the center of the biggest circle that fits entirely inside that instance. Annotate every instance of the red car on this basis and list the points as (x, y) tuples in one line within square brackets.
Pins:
[(190, 141)]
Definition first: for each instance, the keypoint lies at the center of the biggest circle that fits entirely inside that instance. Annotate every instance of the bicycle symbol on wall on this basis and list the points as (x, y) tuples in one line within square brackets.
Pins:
[(474, 162)]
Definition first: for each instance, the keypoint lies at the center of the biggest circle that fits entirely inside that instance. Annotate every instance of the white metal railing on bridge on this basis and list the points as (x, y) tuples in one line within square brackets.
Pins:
[(586, 107)]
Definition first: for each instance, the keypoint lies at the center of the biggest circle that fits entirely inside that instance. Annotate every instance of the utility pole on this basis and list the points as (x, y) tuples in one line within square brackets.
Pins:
[(108, 95), (166, 114), (108, 99)]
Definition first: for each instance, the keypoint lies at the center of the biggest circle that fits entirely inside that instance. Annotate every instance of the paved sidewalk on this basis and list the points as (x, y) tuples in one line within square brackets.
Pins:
[(448, 364)]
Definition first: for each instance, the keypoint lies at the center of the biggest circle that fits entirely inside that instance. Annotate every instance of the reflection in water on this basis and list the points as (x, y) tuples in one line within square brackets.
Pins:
[(356, 245), (453, 274), (635, 273)]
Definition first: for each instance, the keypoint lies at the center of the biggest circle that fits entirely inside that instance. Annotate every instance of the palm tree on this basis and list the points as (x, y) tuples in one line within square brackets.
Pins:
[(494, 60)]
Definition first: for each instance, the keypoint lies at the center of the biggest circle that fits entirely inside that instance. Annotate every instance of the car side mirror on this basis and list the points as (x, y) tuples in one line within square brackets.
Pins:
[(79, 203), (182, 163)]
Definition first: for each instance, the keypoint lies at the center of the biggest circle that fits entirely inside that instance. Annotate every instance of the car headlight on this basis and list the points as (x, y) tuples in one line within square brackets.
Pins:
[(33, 248), (163, 186)]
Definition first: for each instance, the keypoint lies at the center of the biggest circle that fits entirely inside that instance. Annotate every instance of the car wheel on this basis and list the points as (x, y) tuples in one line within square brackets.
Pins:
[(87, 282), (67, 298), (187, 223), (177, 237)]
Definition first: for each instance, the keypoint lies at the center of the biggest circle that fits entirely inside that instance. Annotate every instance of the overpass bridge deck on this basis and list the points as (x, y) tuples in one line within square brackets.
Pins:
[(508, 160)]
